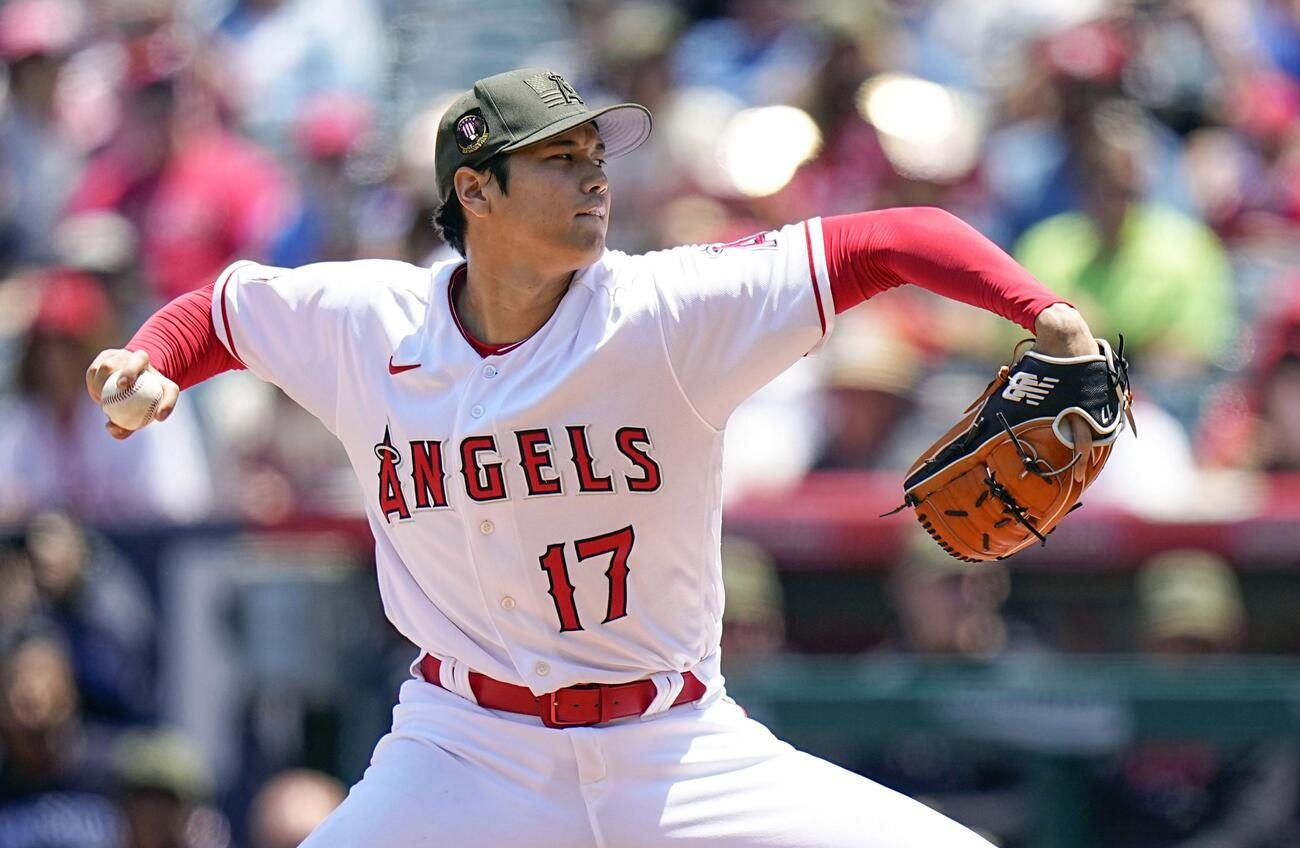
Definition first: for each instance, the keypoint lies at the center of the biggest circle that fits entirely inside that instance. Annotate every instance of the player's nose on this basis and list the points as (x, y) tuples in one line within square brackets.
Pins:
[(594, 180)]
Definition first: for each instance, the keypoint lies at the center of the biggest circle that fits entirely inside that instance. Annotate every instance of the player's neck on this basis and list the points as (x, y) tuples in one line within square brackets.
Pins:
[(505, 303)]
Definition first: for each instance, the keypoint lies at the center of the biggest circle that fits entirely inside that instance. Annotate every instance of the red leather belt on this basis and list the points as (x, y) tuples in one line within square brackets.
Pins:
[(573, 706)]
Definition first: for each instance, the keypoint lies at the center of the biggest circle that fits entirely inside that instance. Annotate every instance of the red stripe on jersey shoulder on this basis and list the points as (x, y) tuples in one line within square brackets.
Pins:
[(225, 313), (812, 276)]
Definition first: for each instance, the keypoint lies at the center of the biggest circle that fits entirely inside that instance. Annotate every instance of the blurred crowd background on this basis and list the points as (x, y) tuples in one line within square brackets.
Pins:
[(191, 647)]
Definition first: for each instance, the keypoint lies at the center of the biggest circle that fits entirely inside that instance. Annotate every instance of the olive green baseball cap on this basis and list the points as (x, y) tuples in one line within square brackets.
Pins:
[(508, 111)]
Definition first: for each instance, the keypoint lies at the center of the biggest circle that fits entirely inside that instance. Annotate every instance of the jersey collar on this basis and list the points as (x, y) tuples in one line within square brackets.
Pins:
[(585, 277), (482, 348)]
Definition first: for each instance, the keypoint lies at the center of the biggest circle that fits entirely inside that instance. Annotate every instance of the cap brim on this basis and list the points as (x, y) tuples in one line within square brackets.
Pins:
[(623, 128)]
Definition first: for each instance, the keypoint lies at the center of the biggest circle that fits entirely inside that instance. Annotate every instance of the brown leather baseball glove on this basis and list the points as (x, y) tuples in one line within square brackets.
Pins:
[(1004, 477)]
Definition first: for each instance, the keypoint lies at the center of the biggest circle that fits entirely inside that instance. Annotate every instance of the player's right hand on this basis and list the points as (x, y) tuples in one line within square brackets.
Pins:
[(132, 364)]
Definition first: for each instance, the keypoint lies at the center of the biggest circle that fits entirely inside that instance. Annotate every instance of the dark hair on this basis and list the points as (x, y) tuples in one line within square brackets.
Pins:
[(450, 217)]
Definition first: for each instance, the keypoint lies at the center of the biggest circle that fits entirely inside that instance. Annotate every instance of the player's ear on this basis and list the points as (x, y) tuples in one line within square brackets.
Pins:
[(470, 186)]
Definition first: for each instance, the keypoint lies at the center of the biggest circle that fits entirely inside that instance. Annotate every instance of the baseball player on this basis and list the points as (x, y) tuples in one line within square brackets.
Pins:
[(538, 432)]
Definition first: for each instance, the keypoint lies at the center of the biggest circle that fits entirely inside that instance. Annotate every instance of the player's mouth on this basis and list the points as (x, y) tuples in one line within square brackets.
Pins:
[(594, 212)]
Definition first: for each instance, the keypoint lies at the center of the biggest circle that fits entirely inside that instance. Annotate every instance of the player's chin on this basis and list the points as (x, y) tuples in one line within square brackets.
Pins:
[(588, 236)]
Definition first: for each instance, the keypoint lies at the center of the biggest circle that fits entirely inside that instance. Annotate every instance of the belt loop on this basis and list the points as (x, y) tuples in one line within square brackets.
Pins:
[(668, 685), (454, 676)]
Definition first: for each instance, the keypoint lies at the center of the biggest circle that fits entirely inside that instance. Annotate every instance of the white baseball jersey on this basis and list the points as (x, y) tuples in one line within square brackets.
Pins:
[(549, 515)]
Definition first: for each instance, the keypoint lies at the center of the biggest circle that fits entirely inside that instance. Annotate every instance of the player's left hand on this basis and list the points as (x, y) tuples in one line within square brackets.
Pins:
[(1019, 462), (1062, 331)]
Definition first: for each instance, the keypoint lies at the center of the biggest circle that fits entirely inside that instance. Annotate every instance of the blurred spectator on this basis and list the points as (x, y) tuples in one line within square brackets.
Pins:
[(1277, 28), (290, 805), (330, 130), (101, 607), (1033, 163), (281, 53), (1221, 166), (848, 172), (1186, 793), (948, 608), (1249, 177), (1132, 266), (869, 393), (758, 50), (633, 63), (279, 460), (164, 789), (1252, 423), (753, 618), (1189, 604), (53, 449), (53, 794), (1177, 68), (983, 45), (105, 246), (38, 164), (199, 196), (393, 217), (20, 601)]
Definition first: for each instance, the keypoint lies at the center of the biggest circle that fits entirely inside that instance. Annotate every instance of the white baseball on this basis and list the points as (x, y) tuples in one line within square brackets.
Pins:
[(133, 407)]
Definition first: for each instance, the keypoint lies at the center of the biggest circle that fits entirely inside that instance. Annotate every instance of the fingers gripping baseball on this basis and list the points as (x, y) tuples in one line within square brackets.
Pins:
[(125, 367)]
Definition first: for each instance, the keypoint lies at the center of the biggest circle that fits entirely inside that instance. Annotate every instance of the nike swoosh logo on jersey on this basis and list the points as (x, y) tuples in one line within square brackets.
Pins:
[(398, 369)]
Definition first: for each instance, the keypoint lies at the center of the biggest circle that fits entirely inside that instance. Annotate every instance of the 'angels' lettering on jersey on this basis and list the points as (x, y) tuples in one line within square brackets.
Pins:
[(423, 483)]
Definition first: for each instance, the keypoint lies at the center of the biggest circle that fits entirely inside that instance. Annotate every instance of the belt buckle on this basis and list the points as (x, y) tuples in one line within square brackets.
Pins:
[(550, 706)]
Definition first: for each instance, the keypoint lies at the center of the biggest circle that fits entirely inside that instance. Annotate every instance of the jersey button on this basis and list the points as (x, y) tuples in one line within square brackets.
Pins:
[(486, 528), (542, 669), (490, 371), (507, 603), (477, 411)]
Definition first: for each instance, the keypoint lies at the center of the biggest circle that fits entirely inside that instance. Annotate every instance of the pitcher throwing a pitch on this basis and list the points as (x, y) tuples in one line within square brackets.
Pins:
[(538, 432)]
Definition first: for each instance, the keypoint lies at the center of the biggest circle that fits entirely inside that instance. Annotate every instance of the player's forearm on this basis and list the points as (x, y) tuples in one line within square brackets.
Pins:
[(181, 342), (870, 252)]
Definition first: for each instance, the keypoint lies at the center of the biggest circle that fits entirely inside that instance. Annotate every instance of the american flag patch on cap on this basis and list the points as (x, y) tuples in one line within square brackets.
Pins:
[(553, 89)]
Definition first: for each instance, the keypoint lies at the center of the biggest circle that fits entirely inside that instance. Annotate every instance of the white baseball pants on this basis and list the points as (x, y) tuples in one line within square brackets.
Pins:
[(451, 773)]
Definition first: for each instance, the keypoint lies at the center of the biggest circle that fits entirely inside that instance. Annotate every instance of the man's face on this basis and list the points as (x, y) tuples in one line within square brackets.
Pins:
[(37, 692), (60, 369), (557, 208)]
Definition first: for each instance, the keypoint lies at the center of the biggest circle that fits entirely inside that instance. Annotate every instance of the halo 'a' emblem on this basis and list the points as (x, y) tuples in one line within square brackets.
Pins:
[(471, 132)]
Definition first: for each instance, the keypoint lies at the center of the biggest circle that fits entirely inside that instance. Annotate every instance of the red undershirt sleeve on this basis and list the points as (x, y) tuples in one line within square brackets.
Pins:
[(181, 341), (870, 252)]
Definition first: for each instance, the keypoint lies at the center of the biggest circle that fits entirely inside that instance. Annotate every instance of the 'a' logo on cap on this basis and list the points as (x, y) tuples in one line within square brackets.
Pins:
[(553, 89)]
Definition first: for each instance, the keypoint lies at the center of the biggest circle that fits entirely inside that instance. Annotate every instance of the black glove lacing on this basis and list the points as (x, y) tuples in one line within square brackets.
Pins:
[(1032, 463), (1010, 505)]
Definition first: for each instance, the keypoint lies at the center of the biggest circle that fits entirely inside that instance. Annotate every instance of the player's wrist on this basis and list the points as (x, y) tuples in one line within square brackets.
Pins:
[(1062, 331)]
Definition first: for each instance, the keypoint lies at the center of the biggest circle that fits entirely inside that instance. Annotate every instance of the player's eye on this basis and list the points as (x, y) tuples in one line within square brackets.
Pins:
[(567, 157)]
